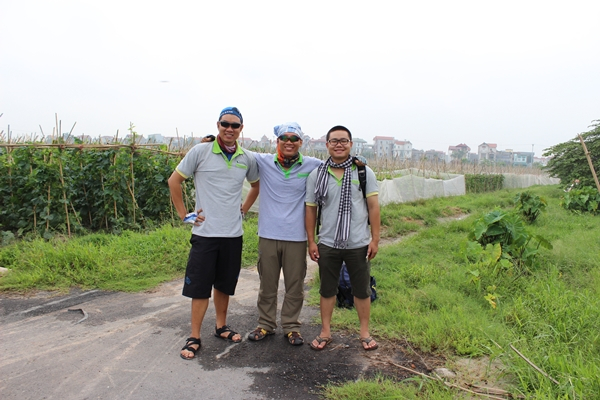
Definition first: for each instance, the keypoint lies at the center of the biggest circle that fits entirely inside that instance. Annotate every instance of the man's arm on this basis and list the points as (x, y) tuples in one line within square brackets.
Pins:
[(251, 197), (374, 218), (310, 221), (175, 181)]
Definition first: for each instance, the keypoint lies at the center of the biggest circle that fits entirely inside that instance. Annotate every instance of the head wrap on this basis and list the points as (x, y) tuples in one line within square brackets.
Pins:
[(289, 127), (232, 111)]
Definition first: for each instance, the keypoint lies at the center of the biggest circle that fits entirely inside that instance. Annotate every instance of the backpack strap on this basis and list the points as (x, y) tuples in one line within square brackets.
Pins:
[(362, 175), (362, 180), (318, 218)]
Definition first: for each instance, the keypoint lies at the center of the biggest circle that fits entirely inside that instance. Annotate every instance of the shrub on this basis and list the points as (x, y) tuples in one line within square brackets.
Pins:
[(508, 230), (529, 205), (581, 200)]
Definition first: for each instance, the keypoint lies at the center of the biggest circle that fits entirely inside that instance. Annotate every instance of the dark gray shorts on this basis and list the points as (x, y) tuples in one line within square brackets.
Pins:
[(212, 262), (359, 269)]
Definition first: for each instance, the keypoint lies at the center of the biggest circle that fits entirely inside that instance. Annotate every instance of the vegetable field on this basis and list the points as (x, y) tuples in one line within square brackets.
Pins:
[(65, 189)]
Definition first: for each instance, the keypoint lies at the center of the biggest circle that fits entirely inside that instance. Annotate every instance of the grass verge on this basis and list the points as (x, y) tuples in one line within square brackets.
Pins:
[(129, 262)]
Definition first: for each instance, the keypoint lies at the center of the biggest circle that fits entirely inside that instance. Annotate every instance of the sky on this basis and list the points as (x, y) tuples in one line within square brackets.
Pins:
[(524, 75)]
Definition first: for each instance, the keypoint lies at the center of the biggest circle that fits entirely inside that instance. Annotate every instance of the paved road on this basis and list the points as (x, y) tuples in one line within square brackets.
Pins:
[(128, 346)]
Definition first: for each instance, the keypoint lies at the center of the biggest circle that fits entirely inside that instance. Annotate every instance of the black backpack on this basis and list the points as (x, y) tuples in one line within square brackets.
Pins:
[(344, 295)]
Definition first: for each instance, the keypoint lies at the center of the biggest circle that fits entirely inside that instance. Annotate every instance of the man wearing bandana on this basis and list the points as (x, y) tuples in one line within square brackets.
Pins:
[(218, 169), (335, 187), (282, 236)]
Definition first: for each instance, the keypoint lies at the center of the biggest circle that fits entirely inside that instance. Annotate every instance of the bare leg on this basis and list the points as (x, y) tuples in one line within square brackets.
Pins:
[(221, 301), (363, 309), (199, 307), (327, 305)]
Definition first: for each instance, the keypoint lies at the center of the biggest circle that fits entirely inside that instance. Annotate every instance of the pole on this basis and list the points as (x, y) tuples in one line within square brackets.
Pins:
[(587, 155)]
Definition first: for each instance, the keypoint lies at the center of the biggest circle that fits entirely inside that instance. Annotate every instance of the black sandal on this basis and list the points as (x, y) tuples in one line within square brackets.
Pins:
[(189, 342), (226, 329)]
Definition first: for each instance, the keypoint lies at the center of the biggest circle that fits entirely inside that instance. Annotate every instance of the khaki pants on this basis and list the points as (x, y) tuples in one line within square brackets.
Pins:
[(275, 255)]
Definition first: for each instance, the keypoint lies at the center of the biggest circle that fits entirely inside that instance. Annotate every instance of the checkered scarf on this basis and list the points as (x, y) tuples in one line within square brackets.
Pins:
[(342, 227)]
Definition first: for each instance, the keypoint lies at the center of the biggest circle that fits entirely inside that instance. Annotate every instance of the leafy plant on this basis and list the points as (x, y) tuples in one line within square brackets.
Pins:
[(529, 205), (6, 237), (508, 230), (491, 297), (485, 262), (585, 199)]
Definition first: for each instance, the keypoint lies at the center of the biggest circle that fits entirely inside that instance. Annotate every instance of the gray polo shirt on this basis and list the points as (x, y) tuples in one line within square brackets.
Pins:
[(360, 234), (218, 182), (282, 194)]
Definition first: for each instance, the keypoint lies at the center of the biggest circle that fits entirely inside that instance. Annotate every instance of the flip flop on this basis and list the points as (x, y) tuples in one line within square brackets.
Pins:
[(368, 340), (320, 340)]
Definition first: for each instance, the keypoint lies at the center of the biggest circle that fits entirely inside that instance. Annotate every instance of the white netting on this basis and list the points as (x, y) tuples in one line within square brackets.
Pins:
[(416, 184), (512, 181), (412, 187)]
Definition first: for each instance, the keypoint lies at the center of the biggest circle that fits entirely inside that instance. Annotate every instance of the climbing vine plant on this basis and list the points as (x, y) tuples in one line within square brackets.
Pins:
[(70, 188)]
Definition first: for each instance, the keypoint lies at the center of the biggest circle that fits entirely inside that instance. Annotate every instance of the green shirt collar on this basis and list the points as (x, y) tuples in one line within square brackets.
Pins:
[(217, 149), (300, 158)]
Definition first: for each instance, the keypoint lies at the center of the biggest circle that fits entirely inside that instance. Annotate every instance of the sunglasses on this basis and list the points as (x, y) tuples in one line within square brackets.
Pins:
[(233, 125), (285, 138)]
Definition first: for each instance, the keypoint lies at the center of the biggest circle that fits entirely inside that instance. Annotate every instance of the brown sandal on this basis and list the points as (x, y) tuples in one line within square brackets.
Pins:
[(368, 341), (320, 340), (259, 334), (295, 338)]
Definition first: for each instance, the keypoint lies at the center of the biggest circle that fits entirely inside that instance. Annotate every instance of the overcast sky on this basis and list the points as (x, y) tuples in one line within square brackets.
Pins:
[(436, 73)]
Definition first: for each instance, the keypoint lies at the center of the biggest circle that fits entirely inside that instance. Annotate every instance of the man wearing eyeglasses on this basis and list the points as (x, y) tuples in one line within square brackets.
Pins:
[(282, 237), (219, 169), (344, 235)]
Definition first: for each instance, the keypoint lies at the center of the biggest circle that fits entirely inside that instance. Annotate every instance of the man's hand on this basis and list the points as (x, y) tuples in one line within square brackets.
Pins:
[(360, 161), (194, 218), (313, 251), (372, 250)]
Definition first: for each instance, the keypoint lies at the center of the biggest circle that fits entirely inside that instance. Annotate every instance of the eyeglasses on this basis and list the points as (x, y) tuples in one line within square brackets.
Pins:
[(335, 142), (285, 138), (233, 125)]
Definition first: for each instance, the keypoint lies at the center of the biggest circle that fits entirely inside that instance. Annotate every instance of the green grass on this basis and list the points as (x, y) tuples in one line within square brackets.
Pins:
[(551, 314), (382, 388), (129, 262), (250, 247)]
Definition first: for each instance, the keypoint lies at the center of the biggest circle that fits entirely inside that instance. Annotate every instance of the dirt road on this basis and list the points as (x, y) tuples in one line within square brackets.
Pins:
[(126, 346)]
